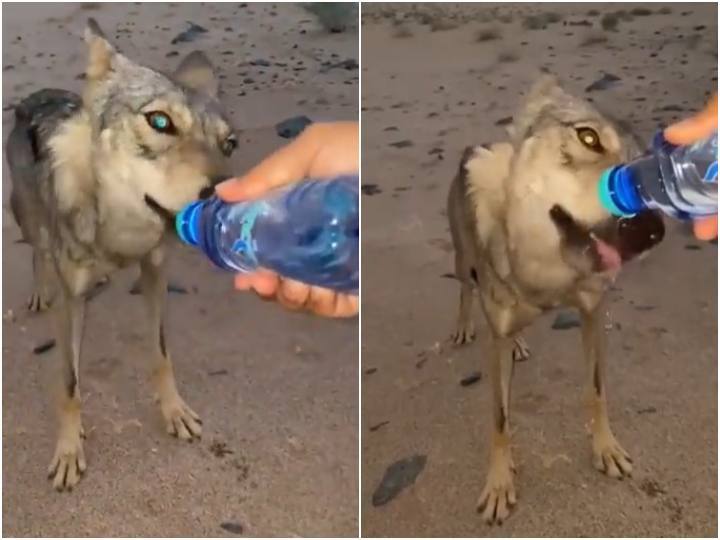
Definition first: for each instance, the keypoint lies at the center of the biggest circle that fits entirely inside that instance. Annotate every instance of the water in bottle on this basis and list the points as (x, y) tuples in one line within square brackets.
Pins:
[(308, 232), (681, 181)]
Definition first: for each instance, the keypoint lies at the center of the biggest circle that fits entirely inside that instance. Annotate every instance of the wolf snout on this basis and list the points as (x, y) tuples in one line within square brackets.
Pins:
[(206, 192), (209, 190)]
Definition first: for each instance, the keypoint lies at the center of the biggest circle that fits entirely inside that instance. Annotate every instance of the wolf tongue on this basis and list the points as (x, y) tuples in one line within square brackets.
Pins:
[(609, 256)]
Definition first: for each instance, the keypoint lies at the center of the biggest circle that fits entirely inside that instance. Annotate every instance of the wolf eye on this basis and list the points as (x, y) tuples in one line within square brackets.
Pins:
[(229, 145), (160, 122), (589, 138)]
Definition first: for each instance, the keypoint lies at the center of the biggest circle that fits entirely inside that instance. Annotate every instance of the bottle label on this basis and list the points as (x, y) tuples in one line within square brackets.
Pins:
[(245, 243), (711, 173)]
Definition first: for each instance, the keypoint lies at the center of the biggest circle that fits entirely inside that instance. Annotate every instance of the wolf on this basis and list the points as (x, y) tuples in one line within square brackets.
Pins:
[(96, 180), (530, 235)]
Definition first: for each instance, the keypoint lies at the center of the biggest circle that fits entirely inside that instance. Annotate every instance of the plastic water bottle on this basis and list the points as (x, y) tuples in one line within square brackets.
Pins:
[(308, 232), (681, 181)]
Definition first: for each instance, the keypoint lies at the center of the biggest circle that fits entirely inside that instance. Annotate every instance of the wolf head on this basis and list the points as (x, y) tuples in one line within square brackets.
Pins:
[(562, 146), (158, 137)]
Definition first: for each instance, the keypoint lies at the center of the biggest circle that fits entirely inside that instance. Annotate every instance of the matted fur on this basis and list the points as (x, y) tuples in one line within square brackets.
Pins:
[(527, 226), (94, 180)]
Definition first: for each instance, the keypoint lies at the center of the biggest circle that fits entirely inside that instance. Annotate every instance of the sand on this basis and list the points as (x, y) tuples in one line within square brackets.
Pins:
[(434, 93), (278, 392)]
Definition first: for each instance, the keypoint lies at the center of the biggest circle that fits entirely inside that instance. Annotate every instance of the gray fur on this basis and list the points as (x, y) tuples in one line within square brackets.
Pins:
[(527, 246), (84, 221)]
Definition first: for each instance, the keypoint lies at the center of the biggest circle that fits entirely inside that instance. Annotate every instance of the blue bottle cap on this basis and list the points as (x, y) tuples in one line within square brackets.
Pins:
[(187, 223), (618, 194), (605, 193)]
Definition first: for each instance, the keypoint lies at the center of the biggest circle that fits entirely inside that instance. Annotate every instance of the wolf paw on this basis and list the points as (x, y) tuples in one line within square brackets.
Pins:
[(37, 302), (465, 334), (611, 458), (498, 496), (180, 420), (521, 351), (68, 463)]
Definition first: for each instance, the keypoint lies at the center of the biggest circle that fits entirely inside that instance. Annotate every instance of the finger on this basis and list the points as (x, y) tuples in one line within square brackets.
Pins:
[(340, 153), (322, 301), (296, 161), (346, 306), (243, 282), (263, 282), (293, 294), (706, 228), (695, 128)]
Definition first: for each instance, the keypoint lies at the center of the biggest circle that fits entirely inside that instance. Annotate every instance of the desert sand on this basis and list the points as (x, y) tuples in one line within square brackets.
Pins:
[(278, 392), (436, 79)]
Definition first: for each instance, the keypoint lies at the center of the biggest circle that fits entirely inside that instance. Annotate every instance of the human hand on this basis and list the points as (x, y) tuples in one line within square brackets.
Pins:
[(322, 150), (687, 132)]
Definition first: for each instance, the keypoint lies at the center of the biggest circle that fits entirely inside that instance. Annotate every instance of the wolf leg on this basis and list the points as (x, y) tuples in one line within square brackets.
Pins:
[(180, 420), (608, 456), (68, 462), (498, 495), (43, 273)]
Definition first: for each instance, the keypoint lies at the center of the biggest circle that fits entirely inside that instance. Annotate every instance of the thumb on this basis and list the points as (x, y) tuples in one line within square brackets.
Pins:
[(696, 128), (287, 165), (706, 228)]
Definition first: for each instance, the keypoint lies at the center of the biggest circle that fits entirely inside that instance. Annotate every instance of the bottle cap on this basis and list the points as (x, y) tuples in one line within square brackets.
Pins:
[(616, 192), (187, 221)]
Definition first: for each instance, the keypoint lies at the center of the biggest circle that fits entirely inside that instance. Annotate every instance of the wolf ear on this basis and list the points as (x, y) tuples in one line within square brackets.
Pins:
[(196, 72), (544, 85), (544, 92), (103, 57), (100, 52)]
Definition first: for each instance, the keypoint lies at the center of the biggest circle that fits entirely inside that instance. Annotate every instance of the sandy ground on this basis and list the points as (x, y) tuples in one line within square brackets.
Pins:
[(443, 90), (277, 392)]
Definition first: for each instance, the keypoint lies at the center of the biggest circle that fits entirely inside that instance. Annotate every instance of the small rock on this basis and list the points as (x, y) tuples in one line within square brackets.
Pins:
[(176, 289), (378, 426), (370, 189), (566, 320), (474, 377), (671, 108), (260, 62), (398, 476), (292, 127), (191, 34), (603, 83), (232, 527), (44, 347), (349, 65), (370, 371), (406, 143), (504, 121)]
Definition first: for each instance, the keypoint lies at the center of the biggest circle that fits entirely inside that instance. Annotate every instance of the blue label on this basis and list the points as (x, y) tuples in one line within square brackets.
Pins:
[(711, 173), (245, 244)]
